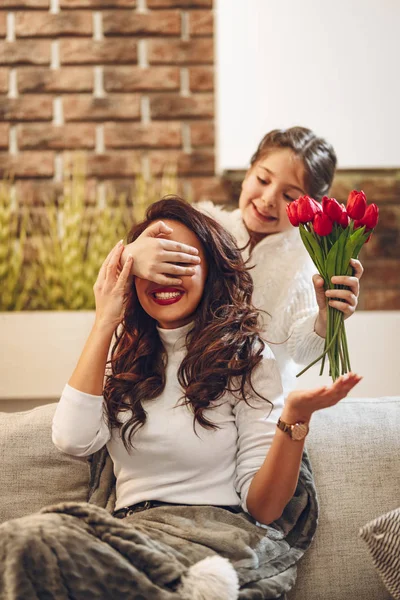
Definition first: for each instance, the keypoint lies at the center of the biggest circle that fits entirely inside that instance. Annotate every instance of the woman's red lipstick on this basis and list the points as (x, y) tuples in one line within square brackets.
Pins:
[(167, 300)]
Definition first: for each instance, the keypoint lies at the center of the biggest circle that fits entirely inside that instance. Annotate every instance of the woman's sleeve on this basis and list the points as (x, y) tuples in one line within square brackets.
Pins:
[(79, 427), (256, 422)]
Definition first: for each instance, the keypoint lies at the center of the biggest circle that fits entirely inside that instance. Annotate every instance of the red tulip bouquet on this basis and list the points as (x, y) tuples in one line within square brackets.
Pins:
[(333, 234)]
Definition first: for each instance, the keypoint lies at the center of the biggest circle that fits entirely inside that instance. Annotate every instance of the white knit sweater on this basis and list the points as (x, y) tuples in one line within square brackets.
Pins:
[(169, 461), (283, 287)]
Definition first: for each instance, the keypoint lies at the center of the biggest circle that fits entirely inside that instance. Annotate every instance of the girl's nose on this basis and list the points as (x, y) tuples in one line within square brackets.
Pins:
[(268, 198)]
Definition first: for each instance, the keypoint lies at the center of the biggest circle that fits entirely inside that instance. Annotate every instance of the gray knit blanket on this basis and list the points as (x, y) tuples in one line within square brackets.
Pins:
[(79, 551)]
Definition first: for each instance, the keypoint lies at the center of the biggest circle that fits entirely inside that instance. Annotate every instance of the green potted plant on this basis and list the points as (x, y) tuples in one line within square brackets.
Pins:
[(47, 276)]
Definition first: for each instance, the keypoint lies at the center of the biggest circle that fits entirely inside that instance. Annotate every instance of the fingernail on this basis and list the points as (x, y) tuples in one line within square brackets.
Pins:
[(120, 242), (129, 258)]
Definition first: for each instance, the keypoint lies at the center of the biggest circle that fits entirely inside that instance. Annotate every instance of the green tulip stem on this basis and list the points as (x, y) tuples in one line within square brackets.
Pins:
[(346, 349), (326, 336), (326, 350), (341, 352), (326, 246)]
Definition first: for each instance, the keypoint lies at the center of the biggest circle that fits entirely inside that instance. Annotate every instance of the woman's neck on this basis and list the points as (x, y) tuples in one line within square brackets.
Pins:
[(173, 339)]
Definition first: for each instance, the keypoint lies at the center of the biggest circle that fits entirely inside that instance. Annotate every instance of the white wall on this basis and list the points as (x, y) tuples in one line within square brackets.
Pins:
[(374, 346), (330, 66), (40, 351)]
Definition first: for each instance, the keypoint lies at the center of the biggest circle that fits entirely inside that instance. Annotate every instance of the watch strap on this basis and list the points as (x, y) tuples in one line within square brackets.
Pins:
[(285, 427)]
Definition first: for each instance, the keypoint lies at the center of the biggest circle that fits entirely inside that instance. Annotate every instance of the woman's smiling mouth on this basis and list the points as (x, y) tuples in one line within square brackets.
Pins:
[(164, 296)]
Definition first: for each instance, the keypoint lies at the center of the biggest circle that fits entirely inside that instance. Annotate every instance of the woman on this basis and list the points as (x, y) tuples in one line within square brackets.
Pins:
[(191, 405)]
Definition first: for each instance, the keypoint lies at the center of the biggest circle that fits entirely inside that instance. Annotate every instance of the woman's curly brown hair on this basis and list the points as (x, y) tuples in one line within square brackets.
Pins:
[(223, 347)]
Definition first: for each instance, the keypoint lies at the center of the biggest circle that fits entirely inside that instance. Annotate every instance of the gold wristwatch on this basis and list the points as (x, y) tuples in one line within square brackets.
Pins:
[(297, 431)]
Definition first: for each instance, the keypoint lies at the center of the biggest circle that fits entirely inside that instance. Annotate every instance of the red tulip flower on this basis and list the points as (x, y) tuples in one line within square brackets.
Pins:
[(344, 219), (333, 234), (332, 208), (307, 208), (317, 206), (356, 205), (322, 224), (370, 218), (291, 210)]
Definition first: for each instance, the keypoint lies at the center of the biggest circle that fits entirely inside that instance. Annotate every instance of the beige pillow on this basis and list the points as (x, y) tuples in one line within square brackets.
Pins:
[(382, 536), (33, 473)]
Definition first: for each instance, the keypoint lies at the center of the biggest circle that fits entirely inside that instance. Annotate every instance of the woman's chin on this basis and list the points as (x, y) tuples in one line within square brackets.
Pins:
[(171, 316), (174, 323)]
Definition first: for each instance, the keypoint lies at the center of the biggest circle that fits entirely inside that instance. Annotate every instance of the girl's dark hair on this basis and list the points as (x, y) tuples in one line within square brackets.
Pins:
[(318, 156), (223, 347)]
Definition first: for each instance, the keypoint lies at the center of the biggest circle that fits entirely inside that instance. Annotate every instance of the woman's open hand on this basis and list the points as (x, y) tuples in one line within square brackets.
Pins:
[(111, 287), (301, 404), (155, 257)]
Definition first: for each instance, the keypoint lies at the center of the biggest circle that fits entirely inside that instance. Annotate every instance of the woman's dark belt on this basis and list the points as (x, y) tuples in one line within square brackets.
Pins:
[(121, 513)]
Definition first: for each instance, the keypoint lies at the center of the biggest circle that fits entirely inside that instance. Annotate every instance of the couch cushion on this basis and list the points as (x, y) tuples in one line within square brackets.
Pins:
[(354, 451), (382, 536), (33, 473)]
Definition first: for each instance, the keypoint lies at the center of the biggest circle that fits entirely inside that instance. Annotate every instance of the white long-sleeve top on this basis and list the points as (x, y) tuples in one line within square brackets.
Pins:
[(169, 462), (282, 276)]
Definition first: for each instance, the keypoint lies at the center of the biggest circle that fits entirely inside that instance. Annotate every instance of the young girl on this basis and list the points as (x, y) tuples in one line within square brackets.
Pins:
[(190, 409), (287, 164)]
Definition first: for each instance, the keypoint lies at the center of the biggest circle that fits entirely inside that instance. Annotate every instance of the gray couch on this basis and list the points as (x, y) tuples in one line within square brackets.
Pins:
[(354, 449)]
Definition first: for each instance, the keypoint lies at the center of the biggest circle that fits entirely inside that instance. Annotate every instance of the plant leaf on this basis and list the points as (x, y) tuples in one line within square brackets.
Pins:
[(314, 250)]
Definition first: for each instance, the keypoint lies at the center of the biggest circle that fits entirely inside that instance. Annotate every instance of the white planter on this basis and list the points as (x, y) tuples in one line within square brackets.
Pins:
[(39, 351)]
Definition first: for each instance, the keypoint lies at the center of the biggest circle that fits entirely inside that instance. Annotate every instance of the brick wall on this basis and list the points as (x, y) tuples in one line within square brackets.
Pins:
[(380, 289), (130, 82)]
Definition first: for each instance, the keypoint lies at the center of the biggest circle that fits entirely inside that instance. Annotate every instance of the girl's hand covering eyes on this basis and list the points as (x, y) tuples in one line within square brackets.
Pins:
[(155, 257)]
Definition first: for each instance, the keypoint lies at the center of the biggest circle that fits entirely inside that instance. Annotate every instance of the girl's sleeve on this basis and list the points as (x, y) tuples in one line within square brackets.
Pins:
[(304, 344), (256, 423), (79, 427)]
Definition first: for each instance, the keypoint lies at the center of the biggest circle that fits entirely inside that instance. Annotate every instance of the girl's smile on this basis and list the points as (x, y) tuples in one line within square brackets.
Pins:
[(263, 216)]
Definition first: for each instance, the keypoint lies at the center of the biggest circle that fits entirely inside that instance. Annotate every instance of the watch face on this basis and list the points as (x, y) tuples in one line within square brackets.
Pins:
[(299, 431)]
